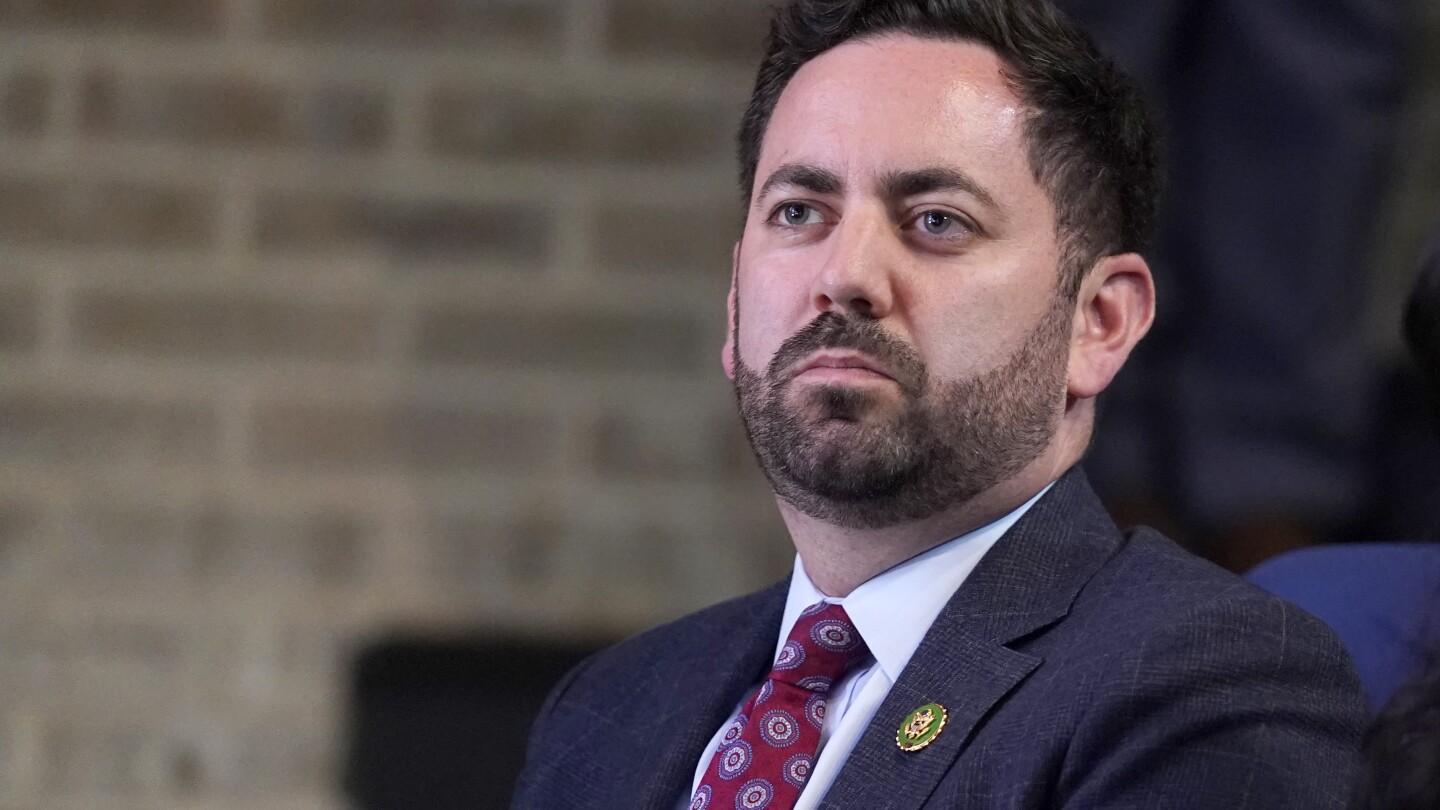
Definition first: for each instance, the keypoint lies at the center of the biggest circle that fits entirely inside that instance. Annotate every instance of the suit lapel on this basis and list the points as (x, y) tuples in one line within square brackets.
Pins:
[(1025, 583), (965, 674), (710, 684)]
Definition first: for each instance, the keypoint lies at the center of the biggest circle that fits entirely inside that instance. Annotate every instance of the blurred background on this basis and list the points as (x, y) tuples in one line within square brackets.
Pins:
[(349, 346)]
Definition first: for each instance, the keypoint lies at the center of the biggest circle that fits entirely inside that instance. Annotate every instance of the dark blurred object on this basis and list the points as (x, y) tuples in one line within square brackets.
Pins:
[(1379, 598), (1422, 324), (1244, 415), (1403, 503), (1402, 750), (1406, 497), (441, 724)]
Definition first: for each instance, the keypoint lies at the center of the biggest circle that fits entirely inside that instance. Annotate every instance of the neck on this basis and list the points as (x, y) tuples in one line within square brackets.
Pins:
[(840, 559)]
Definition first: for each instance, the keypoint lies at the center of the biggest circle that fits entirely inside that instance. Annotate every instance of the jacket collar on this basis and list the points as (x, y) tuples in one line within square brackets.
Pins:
[(1027, 582)]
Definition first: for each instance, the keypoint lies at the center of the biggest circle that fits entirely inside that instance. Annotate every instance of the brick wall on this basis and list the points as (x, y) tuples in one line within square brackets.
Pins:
[(320, 319)]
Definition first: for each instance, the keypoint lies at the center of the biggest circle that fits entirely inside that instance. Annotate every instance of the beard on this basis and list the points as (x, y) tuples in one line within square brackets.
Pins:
[(846, 455)]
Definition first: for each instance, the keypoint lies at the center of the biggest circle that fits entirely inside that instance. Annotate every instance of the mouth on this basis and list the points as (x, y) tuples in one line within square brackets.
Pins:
[(836, 366)]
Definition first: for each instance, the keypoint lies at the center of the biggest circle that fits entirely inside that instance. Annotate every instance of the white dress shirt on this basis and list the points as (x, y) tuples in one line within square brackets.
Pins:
[(893, 612)]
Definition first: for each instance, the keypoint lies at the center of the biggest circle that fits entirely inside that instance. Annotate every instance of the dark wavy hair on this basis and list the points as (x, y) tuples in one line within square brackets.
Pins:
[(1092, 143)]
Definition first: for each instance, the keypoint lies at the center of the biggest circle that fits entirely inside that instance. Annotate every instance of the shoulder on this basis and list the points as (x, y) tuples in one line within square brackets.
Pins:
[(606, 716), (1178, 655), (1379, 598), (1155, 584), (1161, 608), (682, 642), (671, 653)]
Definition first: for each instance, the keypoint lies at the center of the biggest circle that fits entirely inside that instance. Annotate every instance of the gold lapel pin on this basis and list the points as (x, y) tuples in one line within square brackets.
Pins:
[(921, 727)]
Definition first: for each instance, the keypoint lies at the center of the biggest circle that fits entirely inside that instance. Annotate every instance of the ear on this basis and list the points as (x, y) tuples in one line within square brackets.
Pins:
[(1113, 311), (727, 351)]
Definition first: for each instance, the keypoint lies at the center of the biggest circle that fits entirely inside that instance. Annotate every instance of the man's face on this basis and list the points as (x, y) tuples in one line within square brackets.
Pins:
[(899, 342)]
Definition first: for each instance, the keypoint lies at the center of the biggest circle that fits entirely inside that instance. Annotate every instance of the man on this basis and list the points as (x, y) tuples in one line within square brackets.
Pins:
[(937, 276)]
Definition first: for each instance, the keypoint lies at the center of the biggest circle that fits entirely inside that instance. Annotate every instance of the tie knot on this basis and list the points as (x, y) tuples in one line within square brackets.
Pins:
[(822, 647)]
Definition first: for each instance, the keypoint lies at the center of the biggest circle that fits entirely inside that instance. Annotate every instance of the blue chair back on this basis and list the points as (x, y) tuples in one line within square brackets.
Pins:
[(1382, 599)]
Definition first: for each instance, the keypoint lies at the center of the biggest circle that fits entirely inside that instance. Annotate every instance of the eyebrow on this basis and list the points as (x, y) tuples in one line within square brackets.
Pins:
[(811, 178), (893, 185), (902, 184)]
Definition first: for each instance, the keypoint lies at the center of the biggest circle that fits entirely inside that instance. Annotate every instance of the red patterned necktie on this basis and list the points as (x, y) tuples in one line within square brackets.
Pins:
[(766, 753)]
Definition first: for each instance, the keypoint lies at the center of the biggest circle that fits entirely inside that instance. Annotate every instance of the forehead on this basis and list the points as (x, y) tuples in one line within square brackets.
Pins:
[(896, 102)]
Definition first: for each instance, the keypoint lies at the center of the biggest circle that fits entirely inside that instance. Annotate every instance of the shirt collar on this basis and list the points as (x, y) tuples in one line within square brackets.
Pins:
[(894, 610)]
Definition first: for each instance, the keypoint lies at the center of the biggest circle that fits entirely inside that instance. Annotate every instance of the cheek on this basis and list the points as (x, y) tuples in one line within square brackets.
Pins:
[(964, 336), (772, 306), (759, 336)]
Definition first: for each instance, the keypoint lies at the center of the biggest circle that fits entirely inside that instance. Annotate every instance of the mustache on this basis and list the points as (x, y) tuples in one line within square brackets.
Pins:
[(831, 330)]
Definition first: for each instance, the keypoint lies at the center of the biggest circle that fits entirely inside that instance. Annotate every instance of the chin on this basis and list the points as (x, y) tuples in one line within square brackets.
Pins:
[(855, 405)]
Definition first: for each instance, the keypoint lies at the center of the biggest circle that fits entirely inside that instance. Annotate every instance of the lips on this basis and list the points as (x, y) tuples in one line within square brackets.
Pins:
[(842, 364), (847, 350)]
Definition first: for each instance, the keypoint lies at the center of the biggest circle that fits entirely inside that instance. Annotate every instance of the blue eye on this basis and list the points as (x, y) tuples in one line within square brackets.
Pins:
[(937, 223), (796, 214)]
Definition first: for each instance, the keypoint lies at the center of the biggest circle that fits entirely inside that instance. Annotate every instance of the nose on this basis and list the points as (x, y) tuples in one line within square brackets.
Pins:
[(855, 276)]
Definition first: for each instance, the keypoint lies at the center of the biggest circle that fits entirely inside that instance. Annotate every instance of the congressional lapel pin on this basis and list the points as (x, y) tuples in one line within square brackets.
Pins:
[(921, 727)]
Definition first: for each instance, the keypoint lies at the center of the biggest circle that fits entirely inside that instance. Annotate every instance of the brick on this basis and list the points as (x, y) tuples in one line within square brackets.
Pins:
[(482, 25), (216, 542), (631, 559), (322, 548), (667, 446), (156, 645), (678, 444), (214, 325), (517, 235), (41, 212), (579, 340), (24, 102), (270, 759), (98, 759), (333, 548), (60, 427), (136, 542), (737, 458), (232, 111), (200, 753), (20, 531), (91, 651), (680, 239), (639, 560), (303, 650), (19, 318), (488, 553), (721, 30), (757, 537), (160, 16), (496, 124), (422, 437)]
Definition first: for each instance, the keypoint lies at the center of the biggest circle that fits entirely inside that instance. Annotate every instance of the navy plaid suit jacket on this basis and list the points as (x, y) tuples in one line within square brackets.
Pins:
[(1081, 668)]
